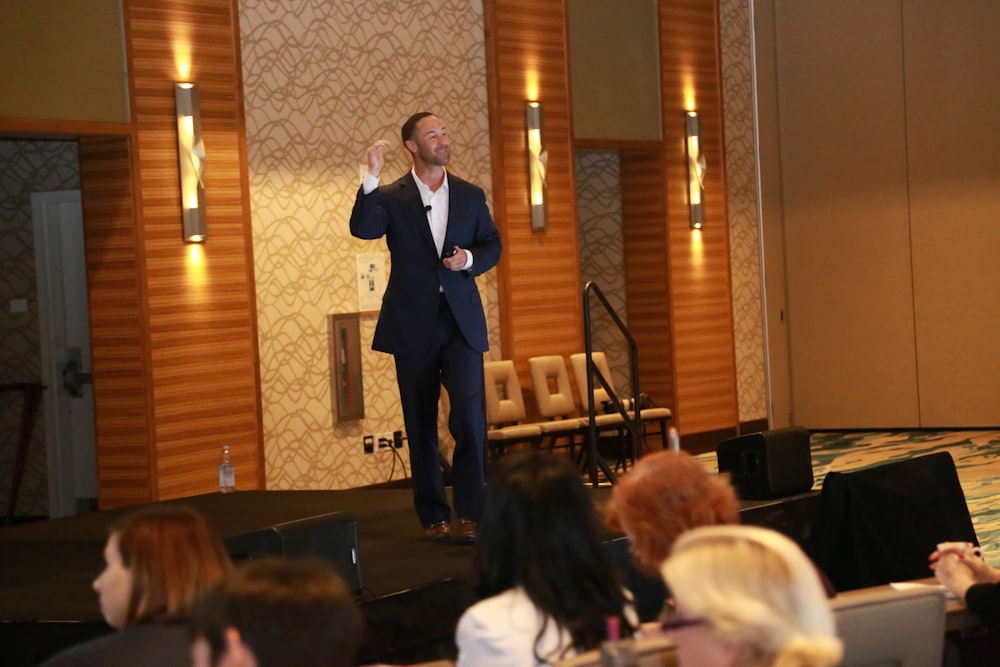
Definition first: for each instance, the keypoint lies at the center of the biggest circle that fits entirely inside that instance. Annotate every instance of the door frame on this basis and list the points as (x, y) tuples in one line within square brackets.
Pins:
[(67, 475)]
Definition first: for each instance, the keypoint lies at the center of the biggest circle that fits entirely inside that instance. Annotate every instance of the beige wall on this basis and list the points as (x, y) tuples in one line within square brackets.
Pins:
[(614, 69), (884, 117), (46, 39), (323, 80)]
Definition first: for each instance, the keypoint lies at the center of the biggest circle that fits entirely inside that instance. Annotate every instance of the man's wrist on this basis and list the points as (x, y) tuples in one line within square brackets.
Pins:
[(369, 183)]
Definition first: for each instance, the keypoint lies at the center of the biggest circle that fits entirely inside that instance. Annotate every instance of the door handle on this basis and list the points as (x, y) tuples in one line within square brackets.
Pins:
[(74, 377)]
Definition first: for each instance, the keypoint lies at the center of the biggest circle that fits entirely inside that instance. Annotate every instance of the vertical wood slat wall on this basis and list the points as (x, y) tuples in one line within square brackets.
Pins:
[(681, 304), (123, 409), (195, 309), (701, 302), (540, 300), (647, 272)]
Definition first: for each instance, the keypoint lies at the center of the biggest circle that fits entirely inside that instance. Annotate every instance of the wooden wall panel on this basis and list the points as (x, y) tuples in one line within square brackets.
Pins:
[(200, 302), (701, 306), (647, 271), (122, 394), (539, 273)]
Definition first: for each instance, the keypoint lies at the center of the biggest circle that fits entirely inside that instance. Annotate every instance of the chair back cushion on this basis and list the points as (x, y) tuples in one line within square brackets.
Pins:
[(504, 401), (546, 372), (580, 370), (884, 626)]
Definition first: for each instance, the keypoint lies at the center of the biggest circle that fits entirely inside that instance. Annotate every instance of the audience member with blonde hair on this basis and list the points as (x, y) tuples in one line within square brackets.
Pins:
[(158, 563), (747, 597)]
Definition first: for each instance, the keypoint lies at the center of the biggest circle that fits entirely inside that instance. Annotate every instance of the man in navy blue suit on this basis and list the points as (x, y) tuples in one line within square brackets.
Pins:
[(440, 236)]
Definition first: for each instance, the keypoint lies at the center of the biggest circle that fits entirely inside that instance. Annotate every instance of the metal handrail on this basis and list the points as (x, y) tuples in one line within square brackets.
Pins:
[(633, 424)]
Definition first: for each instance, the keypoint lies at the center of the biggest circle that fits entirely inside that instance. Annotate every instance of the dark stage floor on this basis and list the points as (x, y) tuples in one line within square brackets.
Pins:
[(413, 590)]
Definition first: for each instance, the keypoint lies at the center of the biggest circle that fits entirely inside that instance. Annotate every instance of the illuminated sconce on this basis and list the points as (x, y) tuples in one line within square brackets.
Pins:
[(538, 158), (191, 155), (696, 170)]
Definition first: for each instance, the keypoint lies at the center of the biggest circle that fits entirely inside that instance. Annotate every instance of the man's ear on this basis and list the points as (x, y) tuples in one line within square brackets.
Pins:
[(237, 653), (410, 145)]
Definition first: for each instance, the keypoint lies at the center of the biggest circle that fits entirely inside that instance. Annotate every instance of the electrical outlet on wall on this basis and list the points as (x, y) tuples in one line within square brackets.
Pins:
[(384, 440), (369, 444)]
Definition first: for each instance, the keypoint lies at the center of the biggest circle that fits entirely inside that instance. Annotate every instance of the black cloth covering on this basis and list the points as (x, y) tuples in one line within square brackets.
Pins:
[(879, 525)]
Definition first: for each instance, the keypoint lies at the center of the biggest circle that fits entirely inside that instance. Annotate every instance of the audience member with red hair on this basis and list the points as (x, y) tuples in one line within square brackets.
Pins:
[(158, 564), (665, 494)]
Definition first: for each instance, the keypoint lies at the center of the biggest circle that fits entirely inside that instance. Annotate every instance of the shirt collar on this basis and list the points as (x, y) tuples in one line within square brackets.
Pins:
[(425, 190)]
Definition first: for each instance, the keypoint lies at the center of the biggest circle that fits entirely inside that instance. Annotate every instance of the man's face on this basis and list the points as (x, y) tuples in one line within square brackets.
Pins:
[(430, 143)]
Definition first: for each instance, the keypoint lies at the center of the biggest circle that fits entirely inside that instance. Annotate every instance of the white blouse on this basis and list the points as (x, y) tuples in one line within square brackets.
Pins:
[(501, 631)]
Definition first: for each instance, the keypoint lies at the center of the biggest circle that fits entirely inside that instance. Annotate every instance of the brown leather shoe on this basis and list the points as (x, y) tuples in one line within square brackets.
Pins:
[(468, 531), (437, 532)]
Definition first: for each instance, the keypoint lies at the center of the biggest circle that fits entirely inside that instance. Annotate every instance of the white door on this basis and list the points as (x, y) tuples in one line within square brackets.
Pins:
[(64, 326)]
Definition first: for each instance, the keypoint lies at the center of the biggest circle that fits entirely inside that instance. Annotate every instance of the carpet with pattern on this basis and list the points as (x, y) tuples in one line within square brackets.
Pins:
[(976, 454)]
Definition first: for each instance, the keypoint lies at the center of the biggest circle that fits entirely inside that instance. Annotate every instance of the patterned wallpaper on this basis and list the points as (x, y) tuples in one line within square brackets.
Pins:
[(602, 255), (25, 167), (741, 186), (322, 80)]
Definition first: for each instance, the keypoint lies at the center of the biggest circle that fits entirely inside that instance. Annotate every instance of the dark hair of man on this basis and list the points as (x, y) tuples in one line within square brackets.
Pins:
[(410, 126), (288, 612), (174, 556), (538, 530)]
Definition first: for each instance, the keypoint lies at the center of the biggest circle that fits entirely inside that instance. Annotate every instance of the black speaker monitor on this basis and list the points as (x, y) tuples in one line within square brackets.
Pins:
[(331, 537), (770, 464)]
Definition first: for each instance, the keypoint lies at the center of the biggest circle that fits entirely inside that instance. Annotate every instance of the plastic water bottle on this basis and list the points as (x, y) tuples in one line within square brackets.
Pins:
[(674, 438), (227, 473)]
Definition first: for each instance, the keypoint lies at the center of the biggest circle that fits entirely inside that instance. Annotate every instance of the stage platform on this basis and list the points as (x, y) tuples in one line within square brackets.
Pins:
[(413, 591)]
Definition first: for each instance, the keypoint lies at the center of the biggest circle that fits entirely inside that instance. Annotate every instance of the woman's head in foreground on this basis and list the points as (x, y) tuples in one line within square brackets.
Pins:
[(747, 596), (158, 562), (539, 531)]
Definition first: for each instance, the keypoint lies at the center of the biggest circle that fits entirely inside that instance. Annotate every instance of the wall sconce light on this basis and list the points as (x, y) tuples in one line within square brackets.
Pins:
[(538, 159), (191, 156), (696, 170)]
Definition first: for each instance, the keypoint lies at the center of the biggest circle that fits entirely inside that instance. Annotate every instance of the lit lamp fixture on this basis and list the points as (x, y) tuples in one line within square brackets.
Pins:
[(191, 155), (538, 158), (696, 170)]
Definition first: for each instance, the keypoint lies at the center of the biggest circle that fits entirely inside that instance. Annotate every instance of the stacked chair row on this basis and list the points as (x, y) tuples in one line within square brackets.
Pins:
[(564, 425)]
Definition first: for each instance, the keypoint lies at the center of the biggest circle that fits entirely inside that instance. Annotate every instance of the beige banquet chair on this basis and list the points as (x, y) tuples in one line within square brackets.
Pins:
[(657, 415), (884, 626), (554, 399), (505, 410)]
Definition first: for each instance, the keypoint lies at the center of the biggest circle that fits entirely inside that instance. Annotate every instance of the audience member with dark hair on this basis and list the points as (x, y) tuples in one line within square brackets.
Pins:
[(747, 597), (278, 613), (545, 586), (158, 564)]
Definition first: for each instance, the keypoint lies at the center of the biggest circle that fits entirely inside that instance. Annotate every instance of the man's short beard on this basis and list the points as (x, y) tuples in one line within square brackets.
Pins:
[(432, 158)]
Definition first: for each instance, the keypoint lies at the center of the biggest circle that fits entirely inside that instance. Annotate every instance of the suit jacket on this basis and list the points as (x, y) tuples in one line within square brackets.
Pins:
[(409, 316)]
